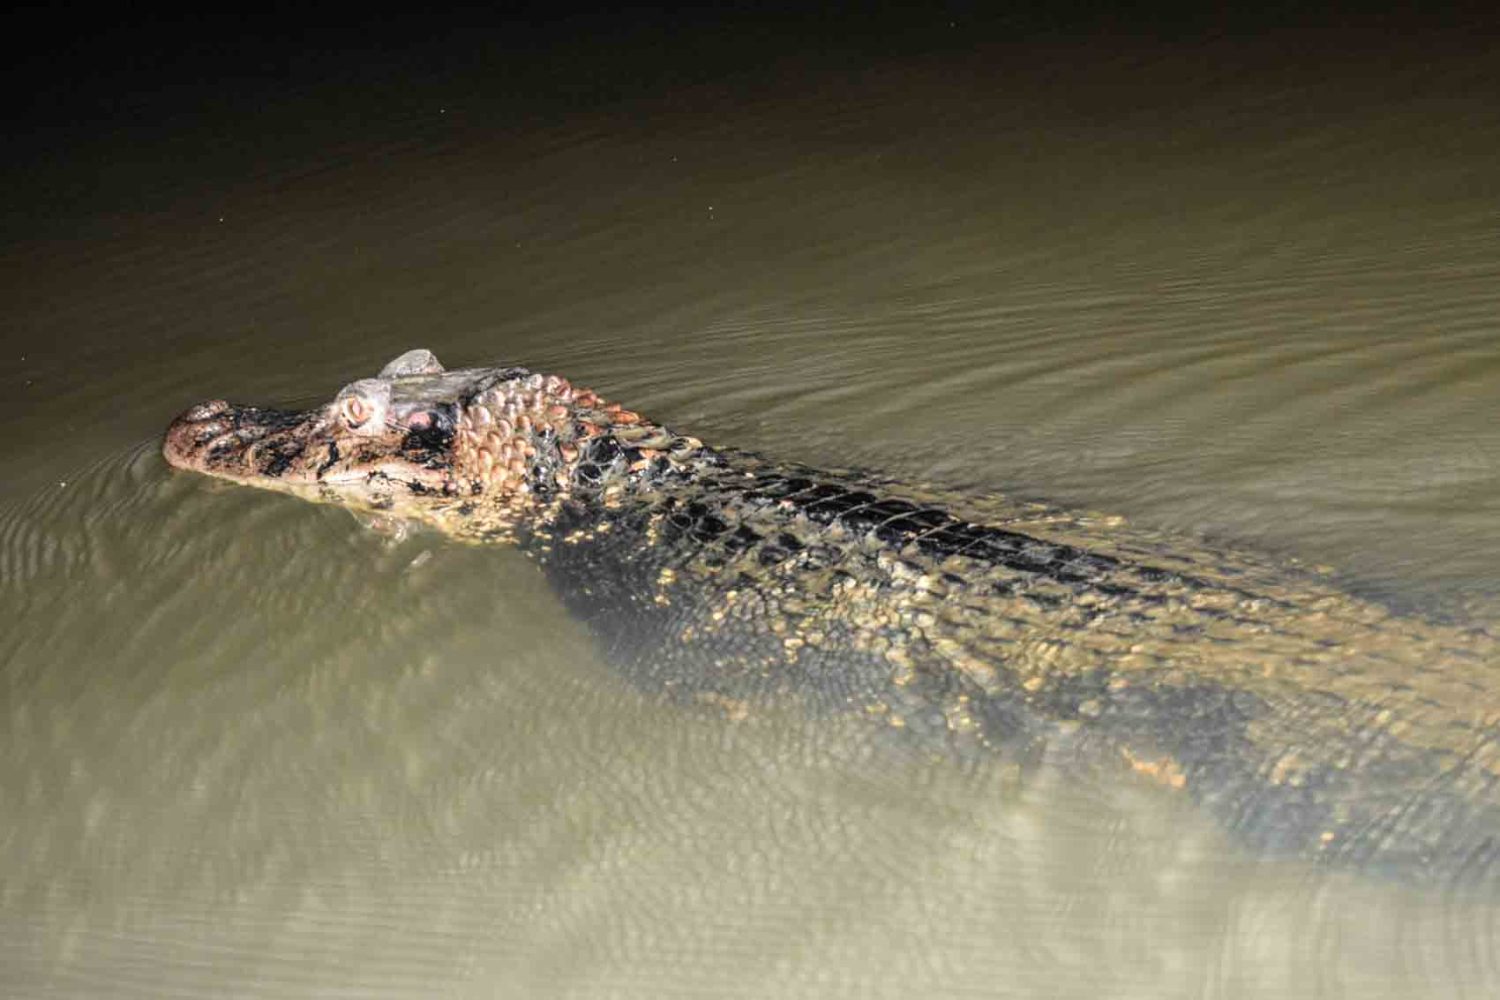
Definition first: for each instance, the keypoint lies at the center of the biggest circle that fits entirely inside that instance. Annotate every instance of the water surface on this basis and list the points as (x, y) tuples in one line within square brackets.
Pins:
[(252, 749)]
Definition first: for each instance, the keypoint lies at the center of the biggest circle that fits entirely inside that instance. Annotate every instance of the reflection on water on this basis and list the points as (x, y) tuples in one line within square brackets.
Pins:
[(251, 749)]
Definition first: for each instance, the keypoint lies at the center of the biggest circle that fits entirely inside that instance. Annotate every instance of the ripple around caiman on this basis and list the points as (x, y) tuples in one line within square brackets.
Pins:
[(1309, 722)]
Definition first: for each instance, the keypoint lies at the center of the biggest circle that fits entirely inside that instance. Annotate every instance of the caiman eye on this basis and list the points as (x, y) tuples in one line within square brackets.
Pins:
[(362, 406), (354, 410)]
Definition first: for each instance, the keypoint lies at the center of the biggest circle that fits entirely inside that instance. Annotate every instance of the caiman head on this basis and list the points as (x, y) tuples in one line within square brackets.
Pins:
[(480, 445)]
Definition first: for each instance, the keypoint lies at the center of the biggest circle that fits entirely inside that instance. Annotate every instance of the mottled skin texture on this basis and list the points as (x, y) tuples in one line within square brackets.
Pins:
[(1310, 723)]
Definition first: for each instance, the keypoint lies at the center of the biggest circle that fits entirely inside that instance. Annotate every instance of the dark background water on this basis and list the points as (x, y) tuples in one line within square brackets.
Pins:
[(1229, 275)]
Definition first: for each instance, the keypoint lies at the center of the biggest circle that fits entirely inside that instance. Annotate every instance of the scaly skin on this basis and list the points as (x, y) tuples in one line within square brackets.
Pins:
[(1309, 722)]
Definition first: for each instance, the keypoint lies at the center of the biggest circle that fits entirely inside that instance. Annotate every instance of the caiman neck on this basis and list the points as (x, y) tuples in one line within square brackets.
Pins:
[(527, 444), (622, 459)]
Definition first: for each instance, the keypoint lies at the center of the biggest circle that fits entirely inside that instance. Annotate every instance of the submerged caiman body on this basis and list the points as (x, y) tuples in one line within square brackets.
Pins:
[(1309, 722)]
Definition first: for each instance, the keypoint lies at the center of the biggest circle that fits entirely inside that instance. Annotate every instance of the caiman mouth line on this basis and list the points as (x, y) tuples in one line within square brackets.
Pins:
[(1311, 723)]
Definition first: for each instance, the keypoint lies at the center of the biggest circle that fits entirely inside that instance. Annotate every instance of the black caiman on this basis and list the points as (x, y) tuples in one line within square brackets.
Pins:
[(1310, 722)]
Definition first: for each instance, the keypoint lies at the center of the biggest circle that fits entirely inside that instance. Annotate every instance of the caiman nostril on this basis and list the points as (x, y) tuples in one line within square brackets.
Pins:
[(204, 411)]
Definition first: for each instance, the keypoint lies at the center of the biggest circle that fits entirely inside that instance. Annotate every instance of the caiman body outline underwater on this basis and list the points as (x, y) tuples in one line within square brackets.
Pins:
[(1310, 722)]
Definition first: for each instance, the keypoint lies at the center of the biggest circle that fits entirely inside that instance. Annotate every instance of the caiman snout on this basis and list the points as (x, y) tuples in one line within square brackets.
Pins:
[(238, 442), (189, 433)]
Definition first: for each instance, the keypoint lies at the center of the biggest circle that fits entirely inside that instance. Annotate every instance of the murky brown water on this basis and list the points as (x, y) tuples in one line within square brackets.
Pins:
[(250, 749)]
